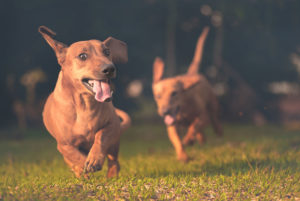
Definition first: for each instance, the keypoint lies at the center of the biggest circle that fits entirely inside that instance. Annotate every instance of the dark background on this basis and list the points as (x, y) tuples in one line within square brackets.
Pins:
[(250, 47)]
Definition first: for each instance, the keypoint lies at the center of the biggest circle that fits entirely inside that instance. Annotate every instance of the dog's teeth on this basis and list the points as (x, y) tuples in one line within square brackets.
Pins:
[(111, 93), (91, 83)]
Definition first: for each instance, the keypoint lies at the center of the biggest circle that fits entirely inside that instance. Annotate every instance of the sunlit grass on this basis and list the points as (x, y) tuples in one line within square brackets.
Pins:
[(249, 163)]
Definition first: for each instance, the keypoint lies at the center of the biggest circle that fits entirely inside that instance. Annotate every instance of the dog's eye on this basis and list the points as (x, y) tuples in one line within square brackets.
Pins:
[(82, 56), (174, 93), (106, 52)]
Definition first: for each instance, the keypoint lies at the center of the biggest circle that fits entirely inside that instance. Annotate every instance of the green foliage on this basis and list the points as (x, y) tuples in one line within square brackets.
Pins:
[(248, 163)]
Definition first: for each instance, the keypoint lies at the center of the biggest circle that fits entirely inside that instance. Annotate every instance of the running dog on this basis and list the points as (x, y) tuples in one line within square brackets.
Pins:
[(79, 113), (186, 100)]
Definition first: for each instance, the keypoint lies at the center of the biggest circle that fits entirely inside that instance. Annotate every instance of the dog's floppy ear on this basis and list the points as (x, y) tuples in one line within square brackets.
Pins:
[(189, 81), (118, 50), (58, 47), (158, 69)]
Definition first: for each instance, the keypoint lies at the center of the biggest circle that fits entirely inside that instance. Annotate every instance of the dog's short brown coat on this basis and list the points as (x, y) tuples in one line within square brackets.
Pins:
[(86, 131), (186, 100)]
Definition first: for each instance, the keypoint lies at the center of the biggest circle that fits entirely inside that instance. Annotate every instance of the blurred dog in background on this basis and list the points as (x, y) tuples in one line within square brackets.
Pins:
[(186, 100)]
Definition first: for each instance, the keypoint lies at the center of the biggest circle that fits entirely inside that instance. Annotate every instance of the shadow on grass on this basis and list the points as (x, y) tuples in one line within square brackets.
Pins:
[(18, 134), (233, 168)]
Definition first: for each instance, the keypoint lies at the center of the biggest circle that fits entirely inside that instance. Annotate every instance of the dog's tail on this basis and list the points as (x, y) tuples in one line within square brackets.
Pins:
[(126, 121), (194, 67)]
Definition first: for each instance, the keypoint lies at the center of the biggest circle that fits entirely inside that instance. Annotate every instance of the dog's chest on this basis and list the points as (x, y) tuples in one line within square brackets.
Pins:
[(188, 112), (87, 124), (90, 116), (185, 119)]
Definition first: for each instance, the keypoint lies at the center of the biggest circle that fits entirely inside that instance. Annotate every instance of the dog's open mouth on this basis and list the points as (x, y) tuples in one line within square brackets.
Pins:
[(170, 119), (101, 89)]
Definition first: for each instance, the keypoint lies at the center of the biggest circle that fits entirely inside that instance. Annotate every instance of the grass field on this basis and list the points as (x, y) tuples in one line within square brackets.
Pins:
[(249, 163)]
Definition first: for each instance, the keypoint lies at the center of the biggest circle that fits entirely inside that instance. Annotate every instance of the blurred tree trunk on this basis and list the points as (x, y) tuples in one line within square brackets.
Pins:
[(218, 47), (170, 37), (244, 99)]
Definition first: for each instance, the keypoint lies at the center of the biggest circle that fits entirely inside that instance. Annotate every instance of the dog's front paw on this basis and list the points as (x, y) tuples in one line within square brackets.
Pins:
[(93, 163), (183, 157)]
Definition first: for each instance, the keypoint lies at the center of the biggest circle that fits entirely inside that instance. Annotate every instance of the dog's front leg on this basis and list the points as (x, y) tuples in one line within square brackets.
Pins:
[(194, 132), (173, 136), (73, 157), (96, 156)]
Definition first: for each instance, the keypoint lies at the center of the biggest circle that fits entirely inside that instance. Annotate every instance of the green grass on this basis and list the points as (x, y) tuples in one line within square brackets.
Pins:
[(249, 163)]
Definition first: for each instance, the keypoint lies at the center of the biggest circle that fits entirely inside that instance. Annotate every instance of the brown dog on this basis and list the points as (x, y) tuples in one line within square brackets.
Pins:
[(186, 100), (79, 113)]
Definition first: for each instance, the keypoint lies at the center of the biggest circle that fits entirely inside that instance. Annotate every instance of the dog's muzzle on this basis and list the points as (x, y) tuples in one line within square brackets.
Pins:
[(170, 116), (109, 71), (100, 88)]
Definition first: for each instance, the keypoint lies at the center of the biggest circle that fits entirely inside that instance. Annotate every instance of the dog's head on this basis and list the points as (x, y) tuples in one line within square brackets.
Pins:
[(88, 65), (169, 93)]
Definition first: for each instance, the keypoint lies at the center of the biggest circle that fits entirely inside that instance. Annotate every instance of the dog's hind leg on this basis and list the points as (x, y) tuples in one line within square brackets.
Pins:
[(113, 163), (200, 137), (189, 138)]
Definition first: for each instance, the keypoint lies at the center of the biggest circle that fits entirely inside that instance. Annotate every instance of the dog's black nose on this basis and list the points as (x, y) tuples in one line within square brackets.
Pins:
[(109, 70)]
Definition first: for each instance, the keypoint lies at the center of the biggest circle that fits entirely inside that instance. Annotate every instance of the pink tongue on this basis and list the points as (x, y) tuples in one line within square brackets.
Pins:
[(102, 90), (169, 120)]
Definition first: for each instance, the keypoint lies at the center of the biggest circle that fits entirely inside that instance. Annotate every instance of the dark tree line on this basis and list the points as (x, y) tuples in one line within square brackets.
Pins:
[(256, 39)]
